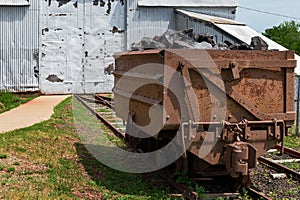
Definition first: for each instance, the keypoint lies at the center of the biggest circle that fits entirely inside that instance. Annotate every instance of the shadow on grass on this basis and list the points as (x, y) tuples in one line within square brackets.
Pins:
[(117, 182)]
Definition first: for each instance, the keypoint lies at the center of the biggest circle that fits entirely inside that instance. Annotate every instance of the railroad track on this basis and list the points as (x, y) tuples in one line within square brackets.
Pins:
[(278, 163), (275, 178), (106, 103)]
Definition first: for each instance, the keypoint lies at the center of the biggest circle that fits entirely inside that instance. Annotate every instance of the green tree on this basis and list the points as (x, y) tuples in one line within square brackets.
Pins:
[(287, 34)]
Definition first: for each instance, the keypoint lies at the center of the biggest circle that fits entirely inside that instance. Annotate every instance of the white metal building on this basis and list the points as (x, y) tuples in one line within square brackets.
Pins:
[(80, 37), (78, 40), (65, 46)]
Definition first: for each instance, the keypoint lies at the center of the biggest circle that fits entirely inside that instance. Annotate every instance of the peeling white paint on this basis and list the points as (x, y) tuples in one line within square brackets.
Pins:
[(78, 44)]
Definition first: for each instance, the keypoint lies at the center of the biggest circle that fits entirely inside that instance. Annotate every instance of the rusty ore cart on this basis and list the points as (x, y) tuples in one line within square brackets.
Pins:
[(238, 104)]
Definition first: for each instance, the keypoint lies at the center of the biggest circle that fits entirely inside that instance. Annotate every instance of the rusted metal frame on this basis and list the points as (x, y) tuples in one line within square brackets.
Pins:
[(224, 124), (256, 195), (139, 75), (280, 168), (290, 152), (282, 133), (245, 103), (153, 78), (138, 53), (235, 55), (242, 124), (266, 64), (289, 89), (289, 99), (188, 89), (124, 61), (136, 97), (234, 95), (282, 138), (233, 124), (236, 158), (104, 121)]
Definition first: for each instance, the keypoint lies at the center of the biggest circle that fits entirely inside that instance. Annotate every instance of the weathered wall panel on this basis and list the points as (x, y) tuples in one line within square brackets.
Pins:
[(19, 47), (78, 40)]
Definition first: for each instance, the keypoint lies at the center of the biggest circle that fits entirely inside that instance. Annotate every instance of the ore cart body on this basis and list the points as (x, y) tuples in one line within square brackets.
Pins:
[(229, 106)]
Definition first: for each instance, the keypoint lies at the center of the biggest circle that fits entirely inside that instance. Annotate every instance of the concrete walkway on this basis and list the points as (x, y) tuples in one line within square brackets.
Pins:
[(32, 112)]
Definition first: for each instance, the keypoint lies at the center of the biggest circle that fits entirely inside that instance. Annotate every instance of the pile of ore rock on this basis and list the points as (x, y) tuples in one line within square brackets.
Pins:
[(187, 39)]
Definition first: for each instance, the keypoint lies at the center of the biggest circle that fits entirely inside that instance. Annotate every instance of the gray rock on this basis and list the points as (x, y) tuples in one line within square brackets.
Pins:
[(257, 43), (149, 43)]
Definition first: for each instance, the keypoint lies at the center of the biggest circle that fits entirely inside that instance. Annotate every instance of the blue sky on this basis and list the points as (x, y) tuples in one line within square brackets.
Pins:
[(260, 21)]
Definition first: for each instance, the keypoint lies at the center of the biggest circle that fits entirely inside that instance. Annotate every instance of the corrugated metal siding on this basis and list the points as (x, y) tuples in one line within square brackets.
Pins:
[(148, 22), (19, 43)]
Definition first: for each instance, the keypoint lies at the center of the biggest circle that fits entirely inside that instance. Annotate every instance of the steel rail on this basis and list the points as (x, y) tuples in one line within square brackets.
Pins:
[(183, 189), (117, 132), (88, 99), (289, 151), (110, 99), (186, 191), (256, 195), (279, 167), (105, 101)]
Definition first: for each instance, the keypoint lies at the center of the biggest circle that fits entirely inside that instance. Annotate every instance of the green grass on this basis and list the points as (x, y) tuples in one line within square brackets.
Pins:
[(103, 110), (293, 165), (9, 100), (3, 156), (49, 161), (11, 169), (292, 141)]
